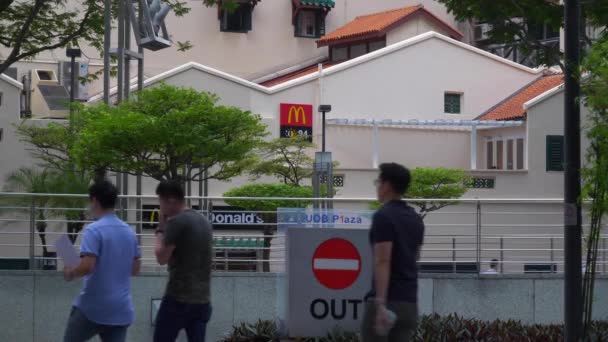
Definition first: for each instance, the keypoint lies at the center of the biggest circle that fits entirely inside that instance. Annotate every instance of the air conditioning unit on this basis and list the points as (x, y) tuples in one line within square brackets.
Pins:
[(49, 98), (482, 32), (65, 78)]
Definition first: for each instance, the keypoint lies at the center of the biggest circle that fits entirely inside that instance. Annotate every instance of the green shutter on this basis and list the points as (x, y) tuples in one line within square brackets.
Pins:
[(555, 153), (320, 21)]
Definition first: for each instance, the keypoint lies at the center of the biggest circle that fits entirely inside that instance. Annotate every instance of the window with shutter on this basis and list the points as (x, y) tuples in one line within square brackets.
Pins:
[(310, 23), (237, 20), (555, 153)]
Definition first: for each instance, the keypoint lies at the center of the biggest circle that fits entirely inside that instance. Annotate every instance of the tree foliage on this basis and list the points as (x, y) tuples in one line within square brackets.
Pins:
[(595, 173), (518, 22), (277, 192), (49, 181), (164, 132), (28, 28), (436, 184), (286, 159), (277, 195)]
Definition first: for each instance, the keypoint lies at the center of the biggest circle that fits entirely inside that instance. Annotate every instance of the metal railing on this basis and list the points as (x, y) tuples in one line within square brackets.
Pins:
[(523, 235)]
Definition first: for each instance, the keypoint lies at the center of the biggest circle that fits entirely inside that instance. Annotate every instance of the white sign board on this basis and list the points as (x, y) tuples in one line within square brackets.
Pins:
[(328, 275)]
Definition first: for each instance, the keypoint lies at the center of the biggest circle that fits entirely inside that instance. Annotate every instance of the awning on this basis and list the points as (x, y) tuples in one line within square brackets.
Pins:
[(316, 3)]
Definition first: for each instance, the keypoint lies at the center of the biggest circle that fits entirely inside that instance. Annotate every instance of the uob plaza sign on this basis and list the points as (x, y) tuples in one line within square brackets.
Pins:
[(296, 119)]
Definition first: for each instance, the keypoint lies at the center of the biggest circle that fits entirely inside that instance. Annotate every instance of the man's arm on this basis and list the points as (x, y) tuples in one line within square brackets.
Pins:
[(136, 266), (382, 270), (86, 267), (163, 251)]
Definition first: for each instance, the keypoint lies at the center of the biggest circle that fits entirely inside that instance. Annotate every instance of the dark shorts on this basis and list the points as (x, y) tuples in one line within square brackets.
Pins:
[(405, 325), (174, 316), (81, 329)]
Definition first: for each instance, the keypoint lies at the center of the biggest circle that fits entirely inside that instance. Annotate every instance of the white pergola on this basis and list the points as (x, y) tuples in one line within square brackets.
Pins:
[(472, 124)]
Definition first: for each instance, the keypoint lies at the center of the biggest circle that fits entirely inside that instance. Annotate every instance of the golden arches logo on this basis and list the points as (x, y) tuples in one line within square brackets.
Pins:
[(154, 217), (296, 111)]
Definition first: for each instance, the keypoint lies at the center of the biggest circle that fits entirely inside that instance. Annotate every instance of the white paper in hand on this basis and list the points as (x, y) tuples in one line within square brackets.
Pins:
[(67, 252)]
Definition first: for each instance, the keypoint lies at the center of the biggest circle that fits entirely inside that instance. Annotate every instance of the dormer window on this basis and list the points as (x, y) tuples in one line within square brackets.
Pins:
[(309, 17), (310, 23), (238, 17)]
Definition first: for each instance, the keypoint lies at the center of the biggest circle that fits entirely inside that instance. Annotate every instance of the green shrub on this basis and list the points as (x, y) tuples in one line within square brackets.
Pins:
[(436, 328)]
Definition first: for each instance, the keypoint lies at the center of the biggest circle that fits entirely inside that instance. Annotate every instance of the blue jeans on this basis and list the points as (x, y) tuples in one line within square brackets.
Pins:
[(174, 316), (81, 329)]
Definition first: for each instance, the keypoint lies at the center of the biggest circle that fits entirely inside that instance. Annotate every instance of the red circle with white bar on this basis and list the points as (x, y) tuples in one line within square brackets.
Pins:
[(336, 264)]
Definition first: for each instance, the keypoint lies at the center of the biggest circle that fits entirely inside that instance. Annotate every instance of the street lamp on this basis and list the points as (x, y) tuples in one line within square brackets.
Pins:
[(73, 53), (324, 109)]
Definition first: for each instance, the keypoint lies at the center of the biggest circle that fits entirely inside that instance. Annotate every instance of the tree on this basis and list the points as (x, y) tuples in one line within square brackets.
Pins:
[(595, 172), (71, 208), (517, 22), (164, 132), (436, 184), (48, 181), (35, 181), (286, 159), (278, 195), (28, 28)]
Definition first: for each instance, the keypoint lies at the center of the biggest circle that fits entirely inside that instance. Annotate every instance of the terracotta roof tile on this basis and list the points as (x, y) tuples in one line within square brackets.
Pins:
[(376, 25), (512, 108), (296, 74)]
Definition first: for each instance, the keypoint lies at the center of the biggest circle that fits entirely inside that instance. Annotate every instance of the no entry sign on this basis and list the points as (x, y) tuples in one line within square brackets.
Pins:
[(336, 264), (328, 275)]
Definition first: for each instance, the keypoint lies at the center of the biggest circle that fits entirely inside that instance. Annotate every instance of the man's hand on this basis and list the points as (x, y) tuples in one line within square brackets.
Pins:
[(382, 323), (68, 274)]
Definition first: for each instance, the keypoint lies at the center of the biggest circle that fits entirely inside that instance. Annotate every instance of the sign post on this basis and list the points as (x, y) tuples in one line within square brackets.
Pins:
[(328, 276)]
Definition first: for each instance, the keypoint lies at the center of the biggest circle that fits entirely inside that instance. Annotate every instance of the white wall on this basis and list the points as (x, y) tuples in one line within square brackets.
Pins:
[(12, 152), (420, 24)]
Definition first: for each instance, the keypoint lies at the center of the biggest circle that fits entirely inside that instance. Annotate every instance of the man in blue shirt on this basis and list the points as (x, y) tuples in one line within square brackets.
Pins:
[(109, 256)]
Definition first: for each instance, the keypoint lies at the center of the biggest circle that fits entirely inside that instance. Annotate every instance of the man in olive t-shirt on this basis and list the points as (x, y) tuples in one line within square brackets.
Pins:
[(184, 243)]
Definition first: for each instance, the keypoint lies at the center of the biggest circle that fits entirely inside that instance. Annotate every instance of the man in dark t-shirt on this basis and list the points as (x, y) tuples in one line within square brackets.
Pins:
[(396, 236), (184, 243)]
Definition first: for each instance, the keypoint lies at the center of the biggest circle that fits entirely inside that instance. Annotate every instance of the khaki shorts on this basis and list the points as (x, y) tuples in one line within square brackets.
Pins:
[(405, 325)]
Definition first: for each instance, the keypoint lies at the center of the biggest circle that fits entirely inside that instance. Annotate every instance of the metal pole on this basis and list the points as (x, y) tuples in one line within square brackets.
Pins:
[(72, 81), (454, 255), (502, 254), (140, 86), (572, 180), (552, 253), (604, 248), (478, 234), (127, 66), (107, 18), (121, 49), (33, 234), (323, 146)]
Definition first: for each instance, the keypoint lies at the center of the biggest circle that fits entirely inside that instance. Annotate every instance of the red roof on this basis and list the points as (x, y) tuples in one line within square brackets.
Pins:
[(376, 25), (296, 74), (512, 108)]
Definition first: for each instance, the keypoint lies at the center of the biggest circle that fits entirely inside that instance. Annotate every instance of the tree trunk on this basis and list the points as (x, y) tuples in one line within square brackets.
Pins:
[(75, 227), (41, 228), (268, 232)]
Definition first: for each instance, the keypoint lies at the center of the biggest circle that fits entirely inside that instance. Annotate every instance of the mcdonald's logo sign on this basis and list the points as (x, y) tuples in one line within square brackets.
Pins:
[(296, 115), (296, 119)]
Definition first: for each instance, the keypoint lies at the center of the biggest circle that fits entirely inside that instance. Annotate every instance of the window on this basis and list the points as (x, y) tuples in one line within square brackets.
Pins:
[(1, 133), (505, 153), (358, 50), (238, 20), (310, 24), (377, 45), (0, 99), (339, 53), (490, 155), (510, 155), (482, 183), (452, 103), (555, 153), (520, 153)]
